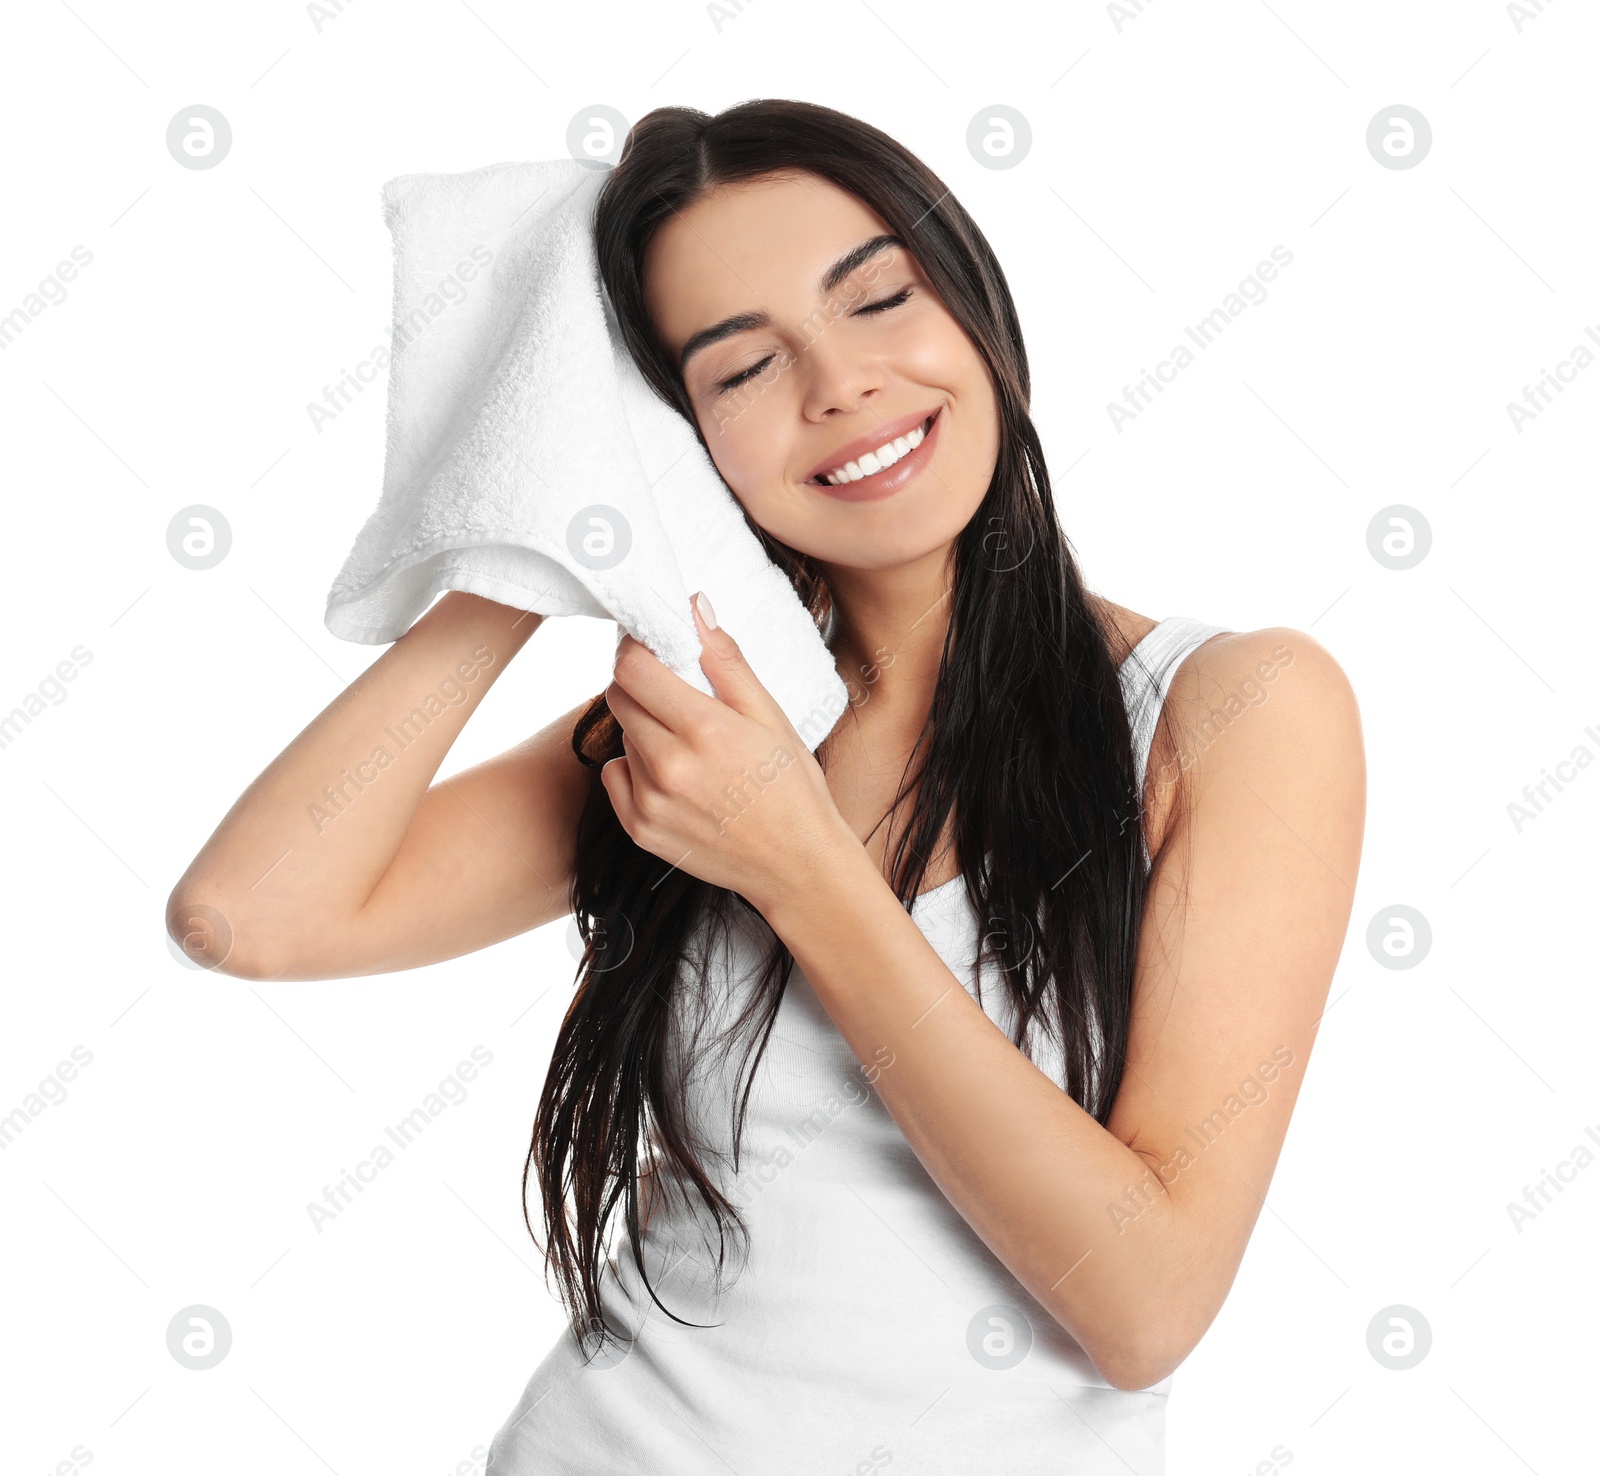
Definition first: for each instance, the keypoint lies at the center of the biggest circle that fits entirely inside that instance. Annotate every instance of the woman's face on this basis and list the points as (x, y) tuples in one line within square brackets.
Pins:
[(794, 370)]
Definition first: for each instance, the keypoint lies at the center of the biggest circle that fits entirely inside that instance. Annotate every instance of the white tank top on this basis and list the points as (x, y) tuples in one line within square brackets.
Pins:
[(867, 1325)]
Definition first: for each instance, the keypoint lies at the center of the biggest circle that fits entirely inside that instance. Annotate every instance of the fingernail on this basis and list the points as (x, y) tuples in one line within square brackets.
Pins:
[(707, 614)]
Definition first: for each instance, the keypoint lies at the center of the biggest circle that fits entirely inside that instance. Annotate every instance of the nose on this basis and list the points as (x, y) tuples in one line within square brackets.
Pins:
[(838, 378)]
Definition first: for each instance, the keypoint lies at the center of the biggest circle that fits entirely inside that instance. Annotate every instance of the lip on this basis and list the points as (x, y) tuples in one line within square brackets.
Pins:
[(890, 480)]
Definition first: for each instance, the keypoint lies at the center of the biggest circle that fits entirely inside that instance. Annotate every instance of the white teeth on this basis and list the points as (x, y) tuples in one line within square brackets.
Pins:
[(875, 461)]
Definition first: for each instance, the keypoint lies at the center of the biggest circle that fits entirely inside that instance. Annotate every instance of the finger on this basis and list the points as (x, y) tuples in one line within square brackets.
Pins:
[(642, 734), (730, 674), (656, 688), (618, 783), (641, 726)]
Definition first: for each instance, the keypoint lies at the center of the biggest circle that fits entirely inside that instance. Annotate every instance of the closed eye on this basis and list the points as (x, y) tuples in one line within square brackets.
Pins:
[(885, 303), (882, 305)]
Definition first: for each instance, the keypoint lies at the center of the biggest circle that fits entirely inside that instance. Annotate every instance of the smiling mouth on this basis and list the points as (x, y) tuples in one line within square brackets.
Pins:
[(880, 460)]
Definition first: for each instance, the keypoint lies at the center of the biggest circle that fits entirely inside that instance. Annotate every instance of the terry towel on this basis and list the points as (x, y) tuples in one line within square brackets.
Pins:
[(528, 461)]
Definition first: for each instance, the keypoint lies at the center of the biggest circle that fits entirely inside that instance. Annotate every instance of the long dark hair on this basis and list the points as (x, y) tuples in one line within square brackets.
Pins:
[(1026, 753)]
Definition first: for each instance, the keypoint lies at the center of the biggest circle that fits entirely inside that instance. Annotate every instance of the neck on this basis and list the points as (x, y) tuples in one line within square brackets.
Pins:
[(889, 628)]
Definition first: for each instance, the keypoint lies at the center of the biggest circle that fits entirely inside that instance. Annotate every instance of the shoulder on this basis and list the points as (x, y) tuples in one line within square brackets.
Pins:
[(1257, 708), (1239, 673)]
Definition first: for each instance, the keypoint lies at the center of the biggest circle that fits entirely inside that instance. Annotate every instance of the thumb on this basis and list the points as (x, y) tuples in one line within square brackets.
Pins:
[(730, 675)]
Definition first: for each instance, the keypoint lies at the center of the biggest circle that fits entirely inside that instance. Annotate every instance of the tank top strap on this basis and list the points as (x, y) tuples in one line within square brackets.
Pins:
[(1147, 676)]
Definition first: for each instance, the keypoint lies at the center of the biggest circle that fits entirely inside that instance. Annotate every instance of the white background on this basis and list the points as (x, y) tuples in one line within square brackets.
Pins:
[(1171, 152)]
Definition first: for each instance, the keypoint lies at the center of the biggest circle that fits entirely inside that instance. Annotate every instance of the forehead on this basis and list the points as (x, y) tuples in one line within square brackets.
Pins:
[(758, 245)]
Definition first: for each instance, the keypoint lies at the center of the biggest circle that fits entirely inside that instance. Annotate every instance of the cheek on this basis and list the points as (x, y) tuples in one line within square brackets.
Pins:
[(749, 459), (940, 355), (750, 429)]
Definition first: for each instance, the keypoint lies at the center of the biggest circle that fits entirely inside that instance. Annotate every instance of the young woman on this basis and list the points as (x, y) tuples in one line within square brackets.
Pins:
[(918, 1096)]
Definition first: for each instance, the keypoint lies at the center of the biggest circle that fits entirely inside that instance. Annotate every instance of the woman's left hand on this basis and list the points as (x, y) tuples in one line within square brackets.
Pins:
[(722, 786)]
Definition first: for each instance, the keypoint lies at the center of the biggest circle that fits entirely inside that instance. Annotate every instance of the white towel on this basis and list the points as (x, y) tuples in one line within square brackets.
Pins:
[(528, 460)]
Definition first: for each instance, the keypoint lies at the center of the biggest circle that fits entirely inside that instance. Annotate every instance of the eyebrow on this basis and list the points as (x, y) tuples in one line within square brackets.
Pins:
[(743, 322)]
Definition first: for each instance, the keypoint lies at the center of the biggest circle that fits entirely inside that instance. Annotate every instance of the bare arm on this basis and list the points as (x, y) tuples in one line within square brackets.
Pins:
[(339, 859), (1130, 1235)]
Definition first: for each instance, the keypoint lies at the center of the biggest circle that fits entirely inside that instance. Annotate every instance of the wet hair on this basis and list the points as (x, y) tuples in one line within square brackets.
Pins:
[(1026, 753)]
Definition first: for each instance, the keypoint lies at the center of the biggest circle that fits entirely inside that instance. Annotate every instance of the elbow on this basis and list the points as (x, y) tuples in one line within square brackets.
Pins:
[(1134, 1369), (208, 937), (1142, 1358)]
